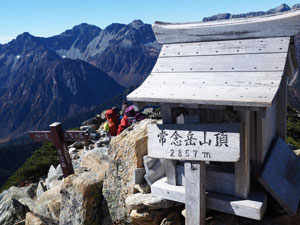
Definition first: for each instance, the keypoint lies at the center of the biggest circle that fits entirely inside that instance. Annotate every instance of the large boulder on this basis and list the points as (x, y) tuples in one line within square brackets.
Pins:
[(81, 199), (48, 203), (35, 219), (125, 154), (12, 211), (147, 201), (96, 162)]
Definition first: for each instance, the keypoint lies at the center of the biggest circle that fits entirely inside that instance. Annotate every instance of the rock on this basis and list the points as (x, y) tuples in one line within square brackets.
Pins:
[(126, 153), (96, 163), (50, 195), (81, 199), (77, 145), (103, 141), (35, 219), (147, 201), (72, 150), (297, 152), (152, 217), (12, 211), (49, 203), (40, 189), (31, 190), (53, 174), (14, 192), (172, 219), (142, 188), (55, 183), (30, 203)]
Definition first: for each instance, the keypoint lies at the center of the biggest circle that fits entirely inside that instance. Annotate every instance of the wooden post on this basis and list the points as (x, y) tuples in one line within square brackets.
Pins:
[(242, 168), (281, 110), (195, 199), (58, 137), (169, 164), (62, 151)]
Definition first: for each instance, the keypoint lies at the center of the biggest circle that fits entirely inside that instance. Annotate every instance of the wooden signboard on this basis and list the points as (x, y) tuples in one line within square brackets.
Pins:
[(195, 142), (59, 137)]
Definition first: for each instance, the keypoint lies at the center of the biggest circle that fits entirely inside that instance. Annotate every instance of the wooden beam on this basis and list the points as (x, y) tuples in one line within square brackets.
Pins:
[(242, 168), (62, 151), (254, 207), (281, 111), (284, 24), (195, 199)]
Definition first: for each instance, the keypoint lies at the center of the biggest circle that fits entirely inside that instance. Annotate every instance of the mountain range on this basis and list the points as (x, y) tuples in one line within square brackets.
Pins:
[(43, 80)]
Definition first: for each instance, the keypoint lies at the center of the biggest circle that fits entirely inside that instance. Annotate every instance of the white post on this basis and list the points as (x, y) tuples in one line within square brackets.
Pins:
[(195, 199)]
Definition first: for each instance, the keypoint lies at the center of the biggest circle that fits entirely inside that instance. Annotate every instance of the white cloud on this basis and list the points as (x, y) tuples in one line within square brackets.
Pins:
[(5, 39)]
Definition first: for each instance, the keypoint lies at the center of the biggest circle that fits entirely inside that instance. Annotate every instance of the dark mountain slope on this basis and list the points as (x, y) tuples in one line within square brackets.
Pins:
[(39, 87)]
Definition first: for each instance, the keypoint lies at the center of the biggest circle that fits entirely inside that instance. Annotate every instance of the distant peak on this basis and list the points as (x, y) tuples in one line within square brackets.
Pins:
[(136, 23), (281, 8)]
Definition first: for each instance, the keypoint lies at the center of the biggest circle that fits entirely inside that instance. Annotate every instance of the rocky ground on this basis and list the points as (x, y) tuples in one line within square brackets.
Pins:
[(102, 190)]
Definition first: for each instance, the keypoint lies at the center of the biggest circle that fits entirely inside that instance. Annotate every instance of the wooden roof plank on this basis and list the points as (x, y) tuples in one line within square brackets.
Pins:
[(249, 46), (205, 79), (284, 24), (247, 62), (211, 95)]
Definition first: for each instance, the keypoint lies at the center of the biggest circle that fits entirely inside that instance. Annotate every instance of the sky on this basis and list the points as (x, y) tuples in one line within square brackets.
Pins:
[(51, 17)]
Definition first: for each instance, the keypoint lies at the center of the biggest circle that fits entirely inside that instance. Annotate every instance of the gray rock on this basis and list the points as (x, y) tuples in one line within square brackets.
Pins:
[(35, 219), (40, 189), (142, 188), (30, 203), (12, 211), (14, 192), (103, 141), (31, 190), (72, 150), (53, 174), (147, 201), (77, 145), (81, 197)]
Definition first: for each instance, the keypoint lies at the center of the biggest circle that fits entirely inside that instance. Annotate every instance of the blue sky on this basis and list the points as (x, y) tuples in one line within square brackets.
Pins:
[(50, 17)]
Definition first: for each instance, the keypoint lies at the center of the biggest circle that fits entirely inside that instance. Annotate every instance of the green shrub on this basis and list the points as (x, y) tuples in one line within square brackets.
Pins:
[(293, 127), (34, 167)]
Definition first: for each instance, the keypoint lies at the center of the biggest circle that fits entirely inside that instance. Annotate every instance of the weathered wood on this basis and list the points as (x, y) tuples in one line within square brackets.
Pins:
[(265, 134), (156, 172), (281, 176), (290, 70), (215, 79), (253, 208), (41, 136), (138, 176), (281, 109), (62, 151), (279, 25), (149, 162), (229, 63), (206, 142), (256, 96), (195, 199), (248, 46), (169, 164), (219, 178), (242, 168), (171, 171)]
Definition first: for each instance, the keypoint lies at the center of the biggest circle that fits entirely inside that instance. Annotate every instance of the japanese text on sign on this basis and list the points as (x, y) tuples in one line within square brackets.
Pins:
[(207, 142)]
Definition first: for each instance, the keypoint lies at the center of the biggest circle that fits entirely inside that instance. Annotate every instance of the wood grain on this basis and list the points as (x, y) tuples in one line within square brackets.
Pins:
[(284, 24), (205, 144)]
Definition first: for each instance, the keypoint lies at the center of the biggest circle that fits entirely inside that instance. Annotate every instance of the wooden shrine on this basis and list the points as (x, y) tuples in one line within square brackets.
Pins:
[(222, 88)]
